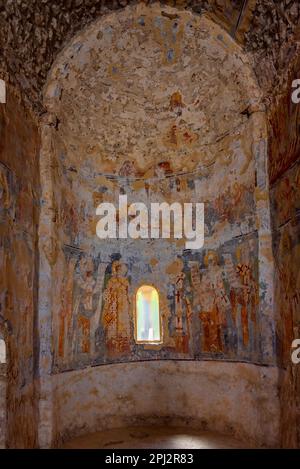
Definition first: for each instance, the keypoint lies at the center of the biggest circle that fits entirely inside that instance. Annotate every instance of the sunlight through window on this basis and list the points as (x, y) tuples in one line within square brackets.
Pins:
[(148, 329)]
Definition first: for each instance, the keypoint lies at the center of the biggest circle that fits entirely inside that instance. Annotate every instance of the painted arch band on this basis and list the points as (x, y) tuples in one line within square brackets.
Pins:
[(188, 221)]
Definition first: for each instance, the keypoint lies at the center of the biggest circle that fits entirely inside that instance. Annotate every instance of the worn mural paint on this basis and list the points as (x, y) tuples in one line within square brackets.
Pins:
[(286, 206), (19, 186), (284, 171), (79, 330), (284, 137), (285, 197), (173, 142)]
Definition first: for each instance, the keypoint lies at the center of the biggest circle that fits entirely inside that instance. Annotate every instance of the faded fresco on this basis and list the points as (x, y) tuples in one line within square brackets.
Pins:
[(208, 306), (19, 189), (158, 103), (284, 124), (174, 142), (285, 197), (286, 208)]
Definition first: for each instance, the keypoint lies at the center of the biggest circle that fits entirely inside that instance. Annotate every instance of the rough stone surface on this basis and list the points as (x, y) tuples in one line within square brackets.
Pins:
[(201, 395), (279, 66), (19, 143), (273, 38), (32, 32), (285, 197)]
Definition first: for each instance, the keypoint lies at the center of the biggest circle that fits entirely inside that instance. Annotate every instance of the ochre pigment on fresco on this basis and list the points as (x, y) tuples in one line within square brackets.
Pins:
[(210, 142), (19, 190), (170, 110)]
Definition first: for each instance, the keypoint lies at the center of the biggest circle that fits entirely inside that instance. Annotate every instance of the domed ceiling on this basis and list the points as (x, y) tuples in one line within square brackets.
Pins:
[(150, 91), (33, 32)]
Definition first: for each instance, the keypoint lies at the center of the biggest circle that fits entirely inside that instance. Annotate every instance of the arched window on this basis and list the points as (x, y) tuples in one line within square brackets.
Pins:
[(2, 351), (148, 324)]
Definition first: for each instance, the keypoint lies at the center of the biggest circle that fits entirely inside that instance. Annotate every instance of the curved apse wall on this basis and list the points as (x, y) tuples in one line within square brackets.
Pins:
[(161, 106)]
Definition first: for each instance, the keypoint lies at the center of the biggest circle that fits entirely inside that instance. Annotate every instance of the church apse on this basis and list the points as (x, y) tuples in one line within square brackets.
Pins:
[(161, 106)]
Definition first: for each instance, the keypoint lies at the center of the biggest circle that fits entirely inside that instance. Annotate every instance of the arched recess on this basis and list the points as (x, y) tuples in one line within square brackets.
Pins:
[(161, 105)]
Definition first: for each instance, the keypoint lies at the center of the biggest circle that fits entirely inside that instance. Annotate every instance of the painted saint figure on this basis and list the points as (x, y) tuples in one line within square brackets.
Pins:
[(244, 299), (87, 306), (213, 301), (183, 316), (116, 315)]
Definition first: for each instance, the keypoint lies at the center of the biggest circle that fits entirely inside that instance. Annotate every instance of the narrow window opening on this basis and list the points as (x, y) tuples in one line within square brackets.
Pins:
[(148, 323), (2, 351)]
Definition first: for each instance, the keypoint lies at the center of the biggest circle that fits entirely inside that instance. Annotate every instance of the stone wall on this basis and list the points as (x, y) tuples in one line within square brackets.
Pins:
[(3, 412), (19, 142), (134, 108), (277, 65), (235, 399), (273, 37), (285, 198), (32, 33)]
